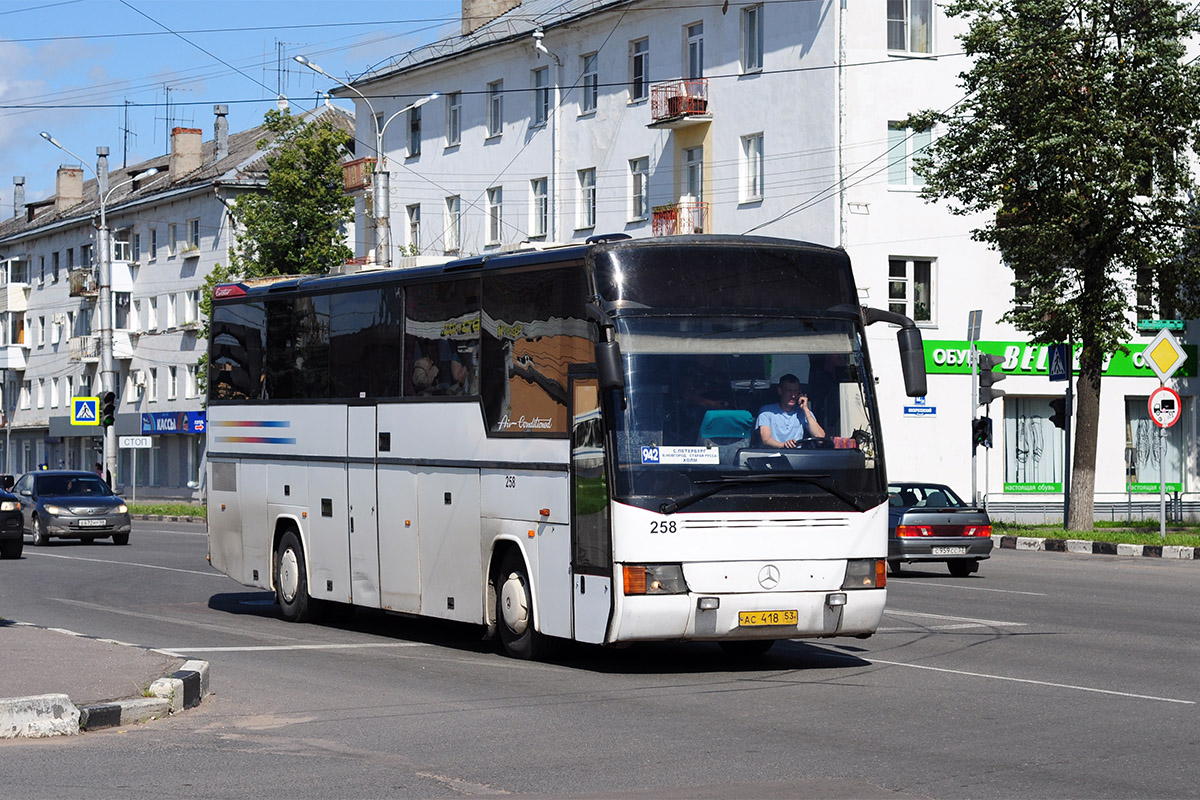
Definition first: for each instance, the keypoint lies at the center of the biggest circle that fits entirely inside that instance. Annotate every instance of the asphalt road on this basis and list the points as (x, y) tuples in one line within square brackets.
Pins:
[(1045, 675)]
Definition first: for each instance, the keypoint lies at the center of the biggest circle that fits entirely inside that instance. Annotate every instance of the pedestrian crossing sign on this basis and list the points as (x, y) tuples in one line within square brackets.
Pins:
[(85, 410)]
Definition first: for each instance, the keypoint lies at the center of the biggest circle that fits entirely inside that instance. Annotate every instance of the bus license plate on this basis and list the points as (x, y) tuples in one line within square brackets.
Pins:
[(949, 551), (749, 619), (91, 523)]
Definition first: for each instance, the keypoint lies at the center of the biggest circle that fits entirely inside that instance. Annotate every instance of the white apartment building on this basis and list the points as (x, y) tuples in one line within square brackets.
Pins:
[(168, 231), (557, 121)]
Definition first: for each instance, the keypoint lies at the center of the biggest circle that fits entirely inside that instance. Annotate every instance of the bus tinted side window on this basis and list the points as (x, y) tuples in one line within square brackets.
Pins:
[(297, 348), (441, 342), (235, 368), (364, 343)]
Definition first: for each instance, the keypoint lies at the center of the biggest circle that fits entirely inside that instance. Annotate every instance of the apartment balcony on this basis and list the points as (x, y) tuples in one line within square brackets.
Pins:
[(14, 297), (356, 174), (13, 356), (84, 349), (686, 216), (84, 282), (679, 103)]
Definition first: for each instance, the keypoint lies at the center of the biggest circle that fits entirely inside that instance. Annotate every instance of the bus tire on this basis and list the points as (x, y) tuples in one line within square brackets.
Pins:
[(514, 609), (291, 580)]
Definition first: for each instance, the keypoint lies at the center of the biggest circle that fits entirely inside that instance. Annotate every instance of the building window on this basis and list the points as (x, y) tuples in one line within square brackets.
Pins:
[(694, 46), (193, 233), (540, 78), (41, 392), (1144, 463), (54, 392), (170, 309), (910, 288), (190, 389), (172, 382), (693, 172), (191, 306), (639, 69), (752, 38), (589, 82), (453, 118), (152, 385), (905, 145), (70, 258), (151, 313), (752, 168), (539, 207), (414, 133), (413, 213), (453, 237), (23, 399), (120, 310), (153, 254), (910, 25), (639, 188), (1033, 446), (495, 214), (172, 239), (585, 210), (53, 265), (41, 332), (135, 241), (495, 110), (132, 382)]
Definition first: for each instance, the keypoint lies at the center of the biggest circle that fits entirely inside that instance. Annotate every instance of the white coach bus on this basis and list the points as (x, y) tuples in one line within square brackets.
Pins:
[(558, 443)]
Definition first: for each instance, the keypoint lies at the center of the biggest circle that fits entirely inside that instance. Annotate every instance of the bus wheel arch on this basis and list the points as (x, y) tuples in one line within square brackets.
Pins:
[(291, 574), (512, 611)]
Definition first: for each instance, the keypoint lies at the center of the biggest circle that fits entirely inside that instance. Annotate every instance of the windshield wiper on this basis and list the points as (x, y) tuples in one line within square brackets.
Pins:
[(726, 481)]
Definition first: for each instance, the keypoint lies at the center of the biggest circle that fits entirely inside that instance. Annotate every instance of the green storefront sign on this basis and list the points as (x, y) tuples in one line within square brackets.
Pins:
[(952, 357), (1050, 487)]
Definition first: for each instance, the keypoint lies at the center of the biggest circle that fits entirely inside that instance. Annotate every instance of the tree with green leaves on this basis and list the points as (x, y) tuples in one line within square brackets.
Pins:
[(297, 225), (1075, 139)]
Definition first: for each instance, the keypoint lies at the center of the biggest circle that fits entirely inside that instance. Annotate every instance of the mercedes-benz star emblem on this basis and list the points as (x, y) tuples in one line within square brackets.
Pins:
[(768, 576)]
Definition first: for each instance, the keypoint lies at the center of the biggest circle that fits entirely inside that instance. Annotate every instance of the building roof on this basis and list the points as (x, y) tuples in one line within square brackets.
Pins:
[(245, 164), (517, 23)]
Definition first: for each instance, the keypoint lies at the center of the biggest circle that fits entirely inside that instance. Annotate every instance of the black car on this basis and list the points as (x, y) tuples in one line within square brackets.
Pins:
[(68, 504), (12, 528), (928, 522)]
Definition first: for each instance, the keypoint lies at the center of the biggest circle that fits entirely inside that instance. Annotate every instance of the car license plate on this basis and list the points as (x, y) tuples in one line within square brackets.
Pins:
[(749, 619), (949, 551), (91, 523)]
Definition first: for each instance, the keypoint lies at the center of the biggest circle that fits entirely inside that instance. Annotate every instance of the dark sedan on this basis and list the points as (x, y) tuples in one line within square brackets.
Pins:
[(66, 504), (928, 522)]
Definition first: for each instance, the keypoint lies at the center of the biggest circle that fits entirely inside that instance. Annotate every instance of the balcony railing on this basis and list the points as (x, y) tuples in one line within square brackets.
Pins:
[(679, 101), (687, 216), (84, 282), (356, 174), (84, 348)]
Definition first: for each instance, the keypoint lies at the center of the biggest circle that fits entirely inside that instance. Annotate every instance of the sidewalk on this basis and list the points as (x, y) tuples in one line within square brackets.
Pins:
[(55, 682)]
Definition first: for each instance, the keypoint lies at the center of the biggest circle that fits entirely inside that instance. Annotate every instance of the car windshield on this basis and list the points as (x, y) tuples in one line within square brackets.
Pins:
[(923, 496), (71, 485), (696, 390)]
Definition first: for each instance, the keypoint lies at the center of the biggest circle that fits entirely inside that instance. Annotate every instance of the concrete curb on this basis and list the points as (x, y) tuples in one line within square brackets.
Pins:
[(166, 518), (46, 715), (1096, 548)]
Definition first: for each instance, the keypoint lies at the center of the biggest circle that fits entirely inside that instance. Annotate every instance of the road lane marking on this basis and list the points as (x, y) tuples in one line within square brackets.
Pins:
[(271, 648), (969, 588), (1075, 687), (990, 622), (128, 564)]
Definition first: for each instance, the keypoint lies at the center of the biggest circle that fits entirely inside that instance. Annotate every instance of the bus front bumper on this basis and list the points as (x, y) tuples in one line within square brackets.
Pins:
[(715, 617)]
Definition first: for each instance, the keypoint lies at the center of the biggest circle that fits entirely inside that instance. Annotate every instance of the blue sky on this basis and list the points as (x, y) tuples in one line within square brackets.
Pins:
[(79, 69)]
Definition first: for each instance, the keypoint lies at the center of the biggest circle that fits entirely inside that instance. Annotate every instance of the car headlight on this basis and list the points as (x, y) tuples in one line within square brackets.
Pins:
[(121, 509), (654, 579), (56, 510), (10, 505)]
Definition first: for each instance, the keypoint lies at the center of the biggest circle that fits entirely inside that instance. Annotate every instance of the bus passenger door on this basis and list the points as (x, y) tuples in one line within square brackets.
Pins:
[(364, 517), (591, 543)]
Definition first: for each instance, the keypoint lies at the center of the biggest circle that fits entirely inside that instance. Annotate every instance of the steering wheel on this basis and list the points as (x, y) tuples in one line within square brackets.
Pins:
[(815, 443)]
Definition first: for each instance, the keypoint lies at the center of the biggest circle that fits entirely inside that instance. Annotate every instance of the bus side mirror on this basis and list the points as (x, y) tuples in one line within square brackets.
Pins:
[(608, 366), (912, 361)]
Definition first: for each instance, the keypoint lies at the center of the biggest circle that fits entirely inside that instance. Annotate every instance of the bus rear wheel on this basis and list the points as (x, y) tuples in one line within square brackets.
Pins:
[(291, 580), (514, 609)]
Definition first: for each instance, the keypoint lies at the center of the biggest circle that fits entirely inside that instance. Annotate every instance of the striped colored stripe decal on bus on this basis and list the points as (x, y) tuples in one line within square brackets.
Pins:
[(254, 423)]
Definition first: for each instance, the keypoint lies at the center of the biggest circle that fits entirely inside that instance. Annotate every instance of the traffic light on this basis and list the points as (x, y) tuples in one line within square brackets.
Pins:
[(981, 432), (987, 377), (1059, 417), (108, 409)]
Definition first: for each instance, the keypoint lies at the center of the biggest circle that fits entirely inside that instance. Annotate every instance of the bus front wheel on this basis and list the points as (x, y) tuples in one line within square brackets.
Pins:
[(514, 609), (291, 579)]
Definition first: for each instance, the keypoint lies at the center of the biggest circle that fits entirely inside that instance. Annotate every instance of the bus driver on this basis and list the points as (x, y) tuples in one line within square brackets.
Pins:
[(783, 424)]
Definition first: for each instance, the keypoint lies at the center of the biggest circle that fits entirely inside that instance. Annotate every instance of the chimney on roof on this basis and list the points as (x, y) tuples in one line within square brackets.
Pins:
[(220, 132), (18, 196), (101, 171), (185, 152), (68, 188), (477, 13)]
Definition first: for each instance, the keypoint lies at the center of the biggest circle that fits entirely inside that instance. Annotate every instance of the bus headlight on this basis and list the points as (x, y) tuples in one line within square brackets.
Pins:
[(654, 579), (865, 573)]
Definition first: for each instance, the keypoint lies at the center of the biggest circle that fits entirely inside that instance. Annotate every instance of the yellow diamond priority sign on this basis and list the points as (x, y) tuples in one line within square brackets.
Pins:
[(1164, 354)]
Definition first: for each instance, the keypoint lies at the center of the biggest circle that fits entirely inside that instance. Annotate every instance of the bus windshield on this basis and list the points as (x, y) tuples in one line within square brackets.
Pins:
[(695, 396)]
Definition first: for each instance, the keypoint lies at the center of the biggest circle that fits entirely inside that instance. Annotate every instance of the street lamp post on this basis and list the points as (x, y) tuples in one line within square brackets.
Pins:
[(381, 195), (108, 371)]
